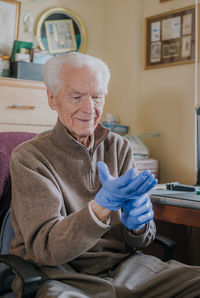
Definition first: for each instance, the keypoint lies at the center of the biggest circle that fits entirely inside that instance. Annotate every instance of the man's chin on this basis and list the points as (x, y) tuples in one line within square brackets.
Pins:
[(86, 130), (86, 133)]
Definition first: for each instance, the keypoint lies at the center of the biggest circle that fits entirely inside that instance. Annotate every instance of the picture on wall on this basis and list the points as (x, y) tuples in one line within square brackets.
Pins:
[(170, 38), (60, 30), (9, 23), (60, 36)]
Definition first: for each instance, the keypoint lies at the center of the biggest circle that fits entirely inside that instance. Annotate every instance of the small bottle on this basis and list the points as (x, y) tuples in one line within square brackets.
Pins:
[(4, 66)]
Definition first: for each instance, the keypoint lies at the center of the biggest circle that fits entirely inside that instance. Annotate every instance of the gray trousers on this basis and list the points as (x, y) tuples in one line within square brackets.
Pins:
[(140, 276)]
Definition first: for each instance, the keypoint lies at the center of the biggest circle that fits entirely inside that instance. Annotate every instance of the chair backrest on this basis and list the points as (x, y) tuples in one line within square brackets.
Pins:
[(6, 235), (8, 141)]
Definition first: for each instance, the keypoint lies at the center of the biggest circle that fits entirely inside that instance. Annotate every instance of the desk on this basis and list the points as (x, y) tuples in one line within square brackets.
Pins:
[(178, 219), (176, 211)]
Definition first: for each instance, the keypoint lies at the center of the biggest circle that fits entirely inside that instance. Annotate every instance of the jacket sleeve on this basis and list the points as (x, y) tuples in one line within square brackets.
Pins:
[(47, 235), (142, 240)]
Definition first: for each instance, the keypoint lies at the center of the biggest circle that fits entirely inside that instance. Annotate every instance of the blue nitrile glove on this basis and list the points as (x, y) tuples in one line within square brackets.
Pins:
[(137, 212), (115, 191)]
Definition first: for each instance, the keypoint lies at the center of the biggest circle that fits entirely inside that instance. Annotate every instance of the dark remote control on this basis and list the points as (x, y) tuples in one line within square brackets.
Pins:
[(180, 187)]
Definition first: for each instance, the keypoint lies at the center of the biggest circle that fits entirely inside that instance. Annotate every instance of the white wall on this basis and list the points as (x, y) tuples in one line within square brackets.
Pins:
[(123, 52), (161, 99)]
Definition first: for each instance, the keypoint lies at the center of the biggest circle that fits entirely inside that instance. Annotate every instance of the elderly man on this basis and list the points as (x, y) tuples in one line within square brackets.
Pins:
[(79, 209)]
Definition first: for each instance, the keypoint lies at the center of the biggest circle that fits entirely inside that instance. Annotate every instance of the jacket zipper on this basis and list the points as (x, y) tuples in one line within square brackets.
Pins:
[(90, 155)]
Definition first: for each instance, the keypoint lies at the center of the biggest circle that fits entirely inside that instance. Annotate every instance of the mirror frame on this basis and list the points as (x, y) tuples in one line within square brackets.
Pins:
[(70, 15)]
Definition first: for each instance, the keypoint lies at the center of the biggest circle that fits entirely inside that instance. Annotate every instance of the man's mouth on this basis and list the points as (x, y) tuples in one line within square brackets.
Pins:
[(86, 120)]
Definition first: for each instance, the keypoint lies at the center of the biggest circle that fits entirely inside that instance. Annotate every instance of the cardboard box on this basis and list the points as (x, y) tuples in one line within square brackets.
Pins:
[(148, 164), (27, 71)]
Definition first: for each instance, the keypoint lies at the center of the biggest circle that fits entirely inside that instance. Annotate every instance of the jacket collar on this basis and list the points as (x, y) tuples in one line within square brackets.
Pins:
[(62, 135)]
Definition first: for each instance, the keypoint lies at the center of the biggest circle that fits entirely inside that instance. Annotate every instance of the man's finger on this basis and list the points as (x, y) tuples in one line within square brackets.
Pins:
[(139, 181), (126, 178), (147, 186), (103, 170), (135, 202)]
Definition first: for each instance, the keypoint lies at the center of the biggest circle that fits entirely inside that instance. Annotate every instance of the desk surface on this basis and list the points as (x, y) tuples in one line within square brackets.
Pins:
[(176, 198), (177, 210)]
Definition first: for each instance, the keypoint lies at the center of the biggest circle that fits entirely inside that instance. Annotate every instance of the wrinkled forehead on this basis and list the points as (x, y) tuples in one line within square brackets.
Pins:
[(83, 79)]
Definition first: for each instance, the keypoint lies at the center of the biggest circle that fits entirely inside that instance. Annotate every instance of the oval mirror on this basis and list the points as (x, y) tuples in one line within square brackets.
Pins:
[(60, 30)]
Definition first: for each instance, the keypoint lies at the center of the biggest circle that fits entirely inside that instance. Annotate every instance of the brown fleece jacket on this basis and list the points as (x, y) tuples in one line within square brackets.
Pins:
[(53, 179)]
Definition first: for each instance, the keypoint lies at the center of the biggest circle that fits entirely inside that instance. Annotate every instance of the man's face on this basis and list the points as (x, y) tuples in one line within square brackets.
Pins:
[(79, 102)]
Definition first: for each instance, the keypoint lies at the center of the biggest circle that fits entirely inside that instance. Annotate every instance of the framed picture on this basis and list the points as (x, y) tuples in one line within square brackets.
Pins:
[(155, 52), (171, 50), (60, 36), (60, 30), (9, 24), (170, 38)]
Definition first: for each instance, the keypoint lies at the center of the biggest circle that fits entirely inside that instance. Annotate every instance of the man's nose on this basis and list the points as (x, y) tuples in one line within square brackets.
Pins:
[(87, 105)]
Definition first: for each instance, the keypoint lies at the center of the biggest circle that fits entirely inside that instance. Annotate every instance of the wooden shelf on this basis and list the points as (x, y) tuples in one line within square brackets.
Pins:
[(12, 82)]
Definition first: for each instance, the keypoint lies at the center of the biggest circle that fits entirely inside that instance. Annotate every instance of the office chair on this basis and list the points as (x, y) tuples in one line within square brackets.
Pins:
[(26, 270)]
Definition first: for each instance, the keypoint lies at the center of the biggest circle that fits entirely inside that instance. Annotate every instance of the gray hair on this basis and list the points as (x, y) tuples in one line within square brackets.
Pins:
[(53, 67)]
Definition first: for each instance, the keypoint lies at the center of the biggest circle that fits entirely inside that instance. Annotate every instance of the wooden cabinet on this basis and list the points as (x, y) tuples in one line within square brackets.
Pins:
[(24, 106)]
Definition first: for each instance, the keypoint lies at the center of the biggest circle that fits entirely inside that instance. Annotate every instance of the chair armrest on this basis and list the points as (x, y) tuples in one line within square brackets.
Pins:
[(26, 271), (168, 246)]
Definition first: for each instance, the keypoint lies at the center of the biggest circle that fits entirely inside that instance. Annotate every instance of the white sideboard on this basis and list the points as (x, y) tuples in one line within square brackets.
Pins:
[(24, 106)]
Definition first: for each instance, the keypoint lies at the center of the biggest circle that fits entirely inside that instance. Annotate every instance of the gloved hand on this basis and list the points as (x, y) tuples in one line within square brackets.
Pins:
[(115, 191), (137, 212)]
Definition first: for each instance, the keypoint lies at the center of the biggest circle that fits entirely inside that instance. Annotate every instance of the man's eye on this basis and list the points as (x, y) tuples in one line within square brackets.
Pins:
[(97, 97), (77, 97)]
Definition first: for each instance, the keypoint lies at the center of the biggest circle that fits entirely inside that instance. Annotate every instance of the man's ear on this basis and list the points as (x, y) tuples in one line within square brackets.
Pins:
[(51, 100)]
